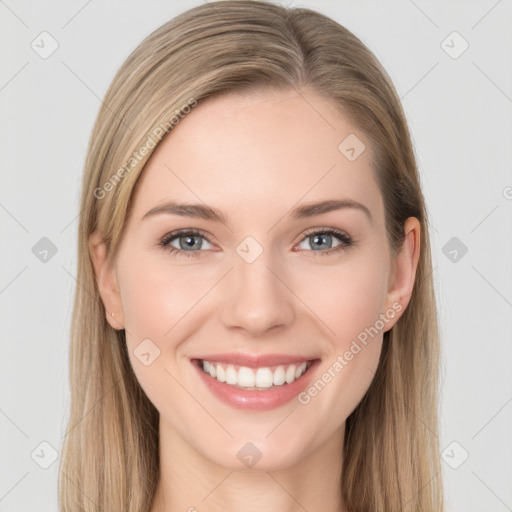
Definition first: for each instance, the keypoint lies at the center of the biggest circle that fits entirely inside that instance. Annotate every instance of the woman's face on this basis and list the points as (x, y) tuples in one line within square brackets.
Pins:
[(266, 285)]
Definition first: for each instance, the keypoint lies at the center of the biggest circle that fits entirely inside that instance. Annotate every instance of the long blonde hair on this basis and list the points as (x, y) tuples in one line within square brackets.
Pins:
[(110, 459)]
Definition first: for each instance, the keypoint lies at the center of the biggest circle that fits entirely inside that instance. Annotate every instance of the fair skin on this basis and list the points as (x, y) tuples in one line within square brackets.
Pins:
[(255, 157)]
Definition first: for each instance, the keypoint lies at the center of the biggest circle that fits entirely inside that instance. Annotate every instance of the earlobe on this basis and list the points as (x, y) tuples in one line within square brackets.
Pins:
[(402, 278), (106, 281)]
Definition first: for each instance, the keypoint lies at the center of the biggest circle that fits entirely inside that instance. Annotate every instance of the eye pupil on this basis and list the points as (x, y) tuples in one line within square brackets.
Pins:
[(322, 238), (189, 241)]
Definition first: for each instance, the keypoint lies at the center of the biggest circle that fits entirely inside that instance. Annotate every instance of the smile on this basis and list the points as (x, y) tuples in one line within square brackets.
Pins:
[(255, 382), (255, 379)]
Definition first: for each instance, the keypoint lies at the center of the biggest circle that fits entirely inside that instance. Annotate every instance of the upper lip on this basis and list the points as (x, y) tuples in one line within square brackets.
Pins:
[(255, 361)]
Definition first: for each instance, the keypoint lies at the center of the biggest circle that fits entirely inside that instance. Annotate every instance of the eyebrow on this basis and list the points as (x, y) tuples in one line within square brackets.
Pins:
[(203, 211)]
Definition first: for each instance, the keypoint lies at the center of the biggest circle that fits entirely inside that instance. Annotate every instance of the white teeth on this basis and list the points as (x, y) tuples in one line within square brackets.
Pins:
[(261, 378), (221, 374), (300, 370), (290, 374), (264, 378), (279, 376), (231, 375), (246, 377)]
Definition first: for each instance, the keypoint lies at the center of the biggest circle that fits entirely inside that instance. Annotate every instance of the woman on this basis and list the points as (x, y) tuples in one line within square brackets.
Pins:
[(255, 326)]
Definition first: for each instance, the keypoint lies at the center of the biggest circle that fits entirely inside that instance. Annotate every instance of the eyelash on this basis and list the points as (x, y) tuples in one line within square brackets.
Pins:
[(346, 241)]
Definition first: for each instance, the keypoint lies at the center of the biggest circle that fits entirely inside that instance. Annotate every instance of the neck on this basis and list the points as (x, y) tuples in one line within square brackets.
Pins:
[(190, 482)]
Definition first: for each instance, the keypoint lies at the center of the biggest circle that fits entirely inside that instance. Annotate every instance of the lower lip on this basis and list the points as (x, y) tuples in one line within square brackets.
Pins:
[(257, 400)]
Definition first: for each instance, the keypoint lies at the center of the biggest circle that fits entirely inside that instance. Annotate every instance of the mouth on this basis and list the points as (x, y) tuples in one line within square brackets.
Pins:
[(258, 383)]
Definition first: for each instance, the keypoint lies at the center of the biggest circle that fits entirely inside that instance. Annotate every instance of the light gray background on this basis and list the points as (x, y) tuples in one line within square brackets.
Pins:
[(459, 110)]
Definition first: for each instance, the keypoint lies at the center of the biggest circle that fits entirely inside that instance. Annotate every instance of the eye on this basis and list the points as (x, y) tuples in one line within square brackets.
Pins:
[(322, 240), (188, 242)]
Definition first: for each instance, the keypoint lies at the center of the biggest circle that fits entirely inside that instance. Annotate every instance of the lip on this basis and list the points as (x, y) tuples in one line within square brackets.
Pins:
[(256, 400)]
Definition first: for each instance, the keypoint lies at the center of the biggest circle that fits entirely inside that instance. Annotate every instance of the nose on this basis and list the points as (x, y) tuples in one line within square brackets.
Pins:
[(258, 299)]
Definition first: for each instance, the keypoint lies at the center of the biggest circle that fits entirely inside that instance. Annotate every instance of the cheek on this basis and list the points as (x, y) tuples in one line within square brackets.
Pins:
[(159, 302), (348, 298), (162, 305), (158, 299), (357, 300)]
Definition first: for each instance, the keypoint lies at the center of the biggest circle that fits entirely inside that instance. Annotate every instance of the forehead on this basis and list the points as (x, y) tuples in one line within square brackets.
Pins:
[(269, 149)]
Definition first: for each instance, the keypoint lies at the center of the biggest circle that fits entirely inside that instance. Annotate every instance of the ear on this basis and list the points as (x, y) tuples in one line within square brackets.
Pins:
[(106, 280), (401, 281)]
